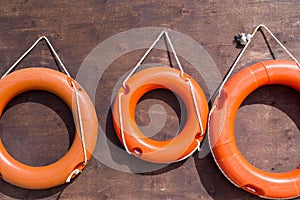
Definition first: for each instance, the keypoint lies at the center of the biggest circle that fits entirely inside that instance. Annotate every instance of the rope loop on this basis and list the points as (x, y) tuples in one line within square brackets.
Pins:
[(245, 40), (166, 34), (60, 64)]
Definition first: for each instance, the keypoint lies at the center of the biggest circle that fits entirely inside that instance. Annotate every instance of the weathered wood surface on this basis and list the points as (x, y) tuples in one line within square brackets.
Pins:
[(37, 129)]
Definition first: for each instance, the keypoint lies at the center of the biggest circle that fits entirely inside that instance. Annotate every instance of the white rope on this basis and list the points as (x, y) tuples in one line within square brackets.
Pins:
[(164, 32), (143, 57), (199, 120), (174, 52), (77, 171), (209, 116), (73, 173), (191, 88), (249, 38), (30, 49), (211, 147), (196, 106), (192, 152), (80, 123), (121, 123), (124, 86), (282, 46), (244, 49), (61, 64)]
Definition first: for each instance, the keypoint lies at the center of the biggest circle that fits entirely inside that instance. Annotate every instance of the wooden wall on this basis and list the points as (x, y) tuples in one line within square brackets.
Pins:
[(37, 128)]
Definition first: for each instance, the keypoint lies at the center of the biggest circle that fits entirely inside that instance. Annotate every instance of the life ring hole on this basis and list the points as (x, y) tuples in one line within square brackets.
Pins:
[(254, 189), (267, 128), (137, 151), (37, 128), (198, 136), (160, 114)]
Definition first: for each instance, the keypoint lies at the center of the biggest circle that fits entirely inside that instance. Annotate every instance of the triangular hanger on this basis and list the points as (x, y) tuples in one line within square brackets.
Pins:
[(52, 50), (245, 39), (164, 32)]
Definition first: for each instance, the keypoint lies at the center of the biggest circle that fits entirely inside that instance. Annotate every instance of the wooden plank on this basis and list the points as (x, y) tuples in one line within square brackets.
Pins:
[(36, 127)]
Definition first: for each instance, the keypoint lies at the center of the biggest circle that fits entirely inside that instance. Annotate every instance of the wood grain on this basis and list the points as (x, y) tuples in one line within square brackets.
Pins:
[(37, 127)]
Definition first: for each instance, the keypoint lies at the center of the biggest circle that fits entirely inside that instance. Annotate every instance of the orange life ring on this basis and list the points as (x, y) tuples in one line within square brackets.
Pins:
[(146, 148), (221, 130), (56, 173)]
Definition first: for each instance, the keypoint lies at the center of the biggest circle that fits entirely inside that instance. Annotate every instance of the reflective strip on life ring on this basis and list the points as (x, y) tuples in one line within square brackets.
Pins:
[(146, 148), (56, 173), (221, 130)]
